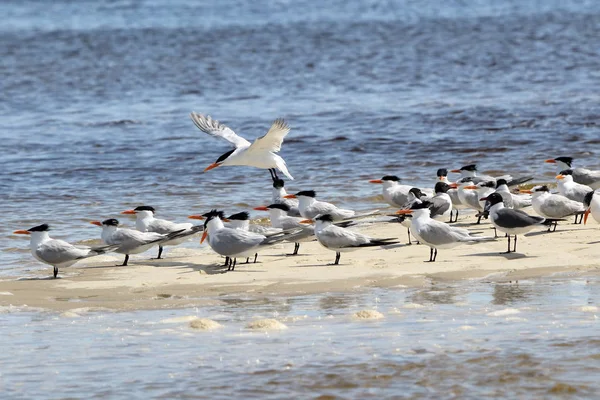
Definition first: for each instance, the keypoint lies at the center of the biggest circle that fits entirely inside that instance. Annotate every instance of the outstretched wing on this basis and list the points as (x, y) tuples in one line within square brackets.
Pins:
[(215, 128), (272, 140)]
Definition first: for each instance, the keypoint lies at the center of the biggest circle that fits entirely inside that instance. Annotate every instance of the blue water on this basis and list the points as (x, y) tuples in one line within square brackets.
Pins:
[(534, 339)]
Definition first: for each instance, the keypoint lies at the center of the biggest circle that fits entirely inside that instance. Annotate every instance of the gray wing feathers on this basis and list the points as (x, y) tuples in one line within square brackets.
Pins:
[(213, 127), (516, 219)]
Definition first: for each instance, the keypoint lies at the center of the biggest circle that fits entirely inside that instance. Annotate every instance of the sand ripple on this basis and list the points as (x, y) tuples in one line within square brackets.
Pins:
[(367, 314), (266, 325), (205, 324)]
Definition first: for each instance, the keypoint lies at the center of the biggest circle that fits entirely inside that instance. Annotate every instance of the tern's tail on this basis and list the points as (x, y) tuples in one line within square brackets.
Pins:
[(280, 162), (96, 251)]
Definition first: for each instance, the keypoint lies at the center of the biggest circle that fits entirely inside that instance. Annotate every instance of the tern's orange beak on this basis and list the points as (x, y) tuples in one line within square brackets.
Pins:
[(204, 235), (306, 221), (226, 220), (456, 171), (471, 187), (128, 212), (585, 216), (453, 185), (97, 223), (550, 161), (525, 191), (200, 217), (559, 177), (289, 196), (261, 208), (404, 212), (375, 181), (22, 232), (211, 166)]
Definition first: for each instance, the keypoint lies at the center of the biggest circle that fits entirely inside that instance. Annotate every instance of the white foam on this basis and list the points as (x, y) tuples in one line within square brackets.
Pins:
[(501, 313), (368, 314), (204, 324), (266, 325), (178, 320)]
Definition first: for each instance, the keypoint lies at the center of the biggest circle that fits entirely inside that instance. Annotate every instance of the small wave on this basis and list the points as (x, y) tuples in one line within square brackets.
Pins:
[(117, 122)]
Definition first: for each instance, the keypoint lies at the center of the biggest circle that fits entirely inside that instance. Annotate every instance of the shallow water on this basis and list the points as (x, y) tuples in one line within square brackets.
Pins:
[(531, 339), (96, 97)]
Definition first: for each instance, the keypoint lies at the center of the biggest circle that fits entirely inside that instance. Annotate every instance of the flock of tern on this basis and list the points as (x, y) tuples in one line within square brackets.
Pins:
[(300, 217)]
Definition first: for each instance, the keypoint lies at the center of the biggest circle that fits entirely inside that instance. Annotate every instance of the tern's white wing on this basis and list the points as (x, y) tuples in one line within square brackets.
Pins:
[(272, 140), (163, 226), (337, 238), (215, 128), (55, 252)]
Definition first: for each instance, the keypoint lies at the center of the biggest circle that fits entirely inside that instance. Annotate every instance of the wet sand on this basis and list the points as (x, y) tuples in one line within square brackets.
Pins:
[(195, 277)]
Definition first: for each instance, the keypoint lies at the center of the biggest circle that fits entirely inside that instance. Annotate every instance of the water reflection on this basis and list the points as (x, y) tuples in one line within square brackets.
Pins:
[(504, 294), (437, 294)]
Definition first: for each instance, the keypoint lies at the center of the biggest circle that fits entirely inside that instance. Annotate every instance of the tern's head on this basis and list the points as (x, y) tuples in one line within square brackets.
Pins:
[(563, 162), (36, 230), (278, 183), (587, 200), (141, 211), (241, 216), (417, 209), (303, 193), (493, 198), (387, 180), (566, 175), (220, 160), (282, 208), (443, 187), (540, 189), (442, 173), (416, 192), (324, 218), (486, 184), (467, 170), (501, 182)]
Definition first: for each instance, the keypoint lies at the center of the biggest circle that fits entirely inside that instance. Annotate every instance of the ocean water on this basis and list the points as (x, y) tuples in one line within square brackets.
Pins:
[(531, 339), (96, 97)]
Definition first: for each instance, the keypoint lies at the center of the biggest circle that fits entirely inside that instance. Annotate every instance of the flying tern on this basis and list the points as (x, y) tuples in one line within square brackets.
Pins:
[(58, 253), (260, 154), (339, 239), (146, 222)]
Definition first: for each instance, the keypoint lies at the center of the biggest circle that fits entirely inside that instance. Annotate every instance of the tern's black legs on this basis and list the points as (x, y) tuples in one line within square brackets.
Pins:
[(550, 229), (409, 241), (55, 272), (255, 257), (296, 248), (508, 250), (226, 261), (160, 250), (124, 262), (432, 254), (455, 217), (580, 219), (232, 262), (273, 173), (337, 258)]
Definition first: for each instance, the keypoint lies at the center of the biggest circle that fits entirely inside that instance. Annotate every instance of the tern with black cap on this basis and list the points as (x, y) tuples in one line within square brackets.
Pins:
[(260, 154), (583, 176), (58, 253), (569, 188), (553, 206), (310, 207)]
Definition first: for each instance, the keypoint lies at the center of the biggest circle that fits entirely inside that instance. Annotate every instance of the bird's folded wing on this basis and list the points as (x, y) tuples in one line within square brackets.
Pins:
[(164, 227), (336, 237), (215, 128), (272, 140), (57, 252)]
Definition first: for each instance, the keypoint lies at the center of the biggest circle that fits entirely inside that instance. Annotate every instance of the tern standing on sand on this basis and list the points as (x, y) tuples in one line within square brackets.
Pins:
[(58, 253)]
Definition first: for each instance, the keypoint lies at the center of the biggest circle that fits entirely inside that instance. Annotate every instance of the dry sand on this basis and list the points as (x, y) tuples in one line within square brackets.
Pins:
[(195, 277)]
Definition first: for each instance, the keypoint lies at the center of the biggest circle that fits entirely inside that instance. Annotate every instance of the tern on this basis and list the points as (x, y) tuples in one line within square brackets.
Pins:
[(511, 200), (580, 175), (441, 203), (592, 205), (339, 239), (470, 171), (483, 189), (233, 243), (278, 197), (394, 193), (469, 196), (131, 241), (553, 206), (145, 222), (436, 234), (281, 219), (241, 220), (570, 189), (260, 154), (310, 207), (509, 221), (58, 253), (442, 176)]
